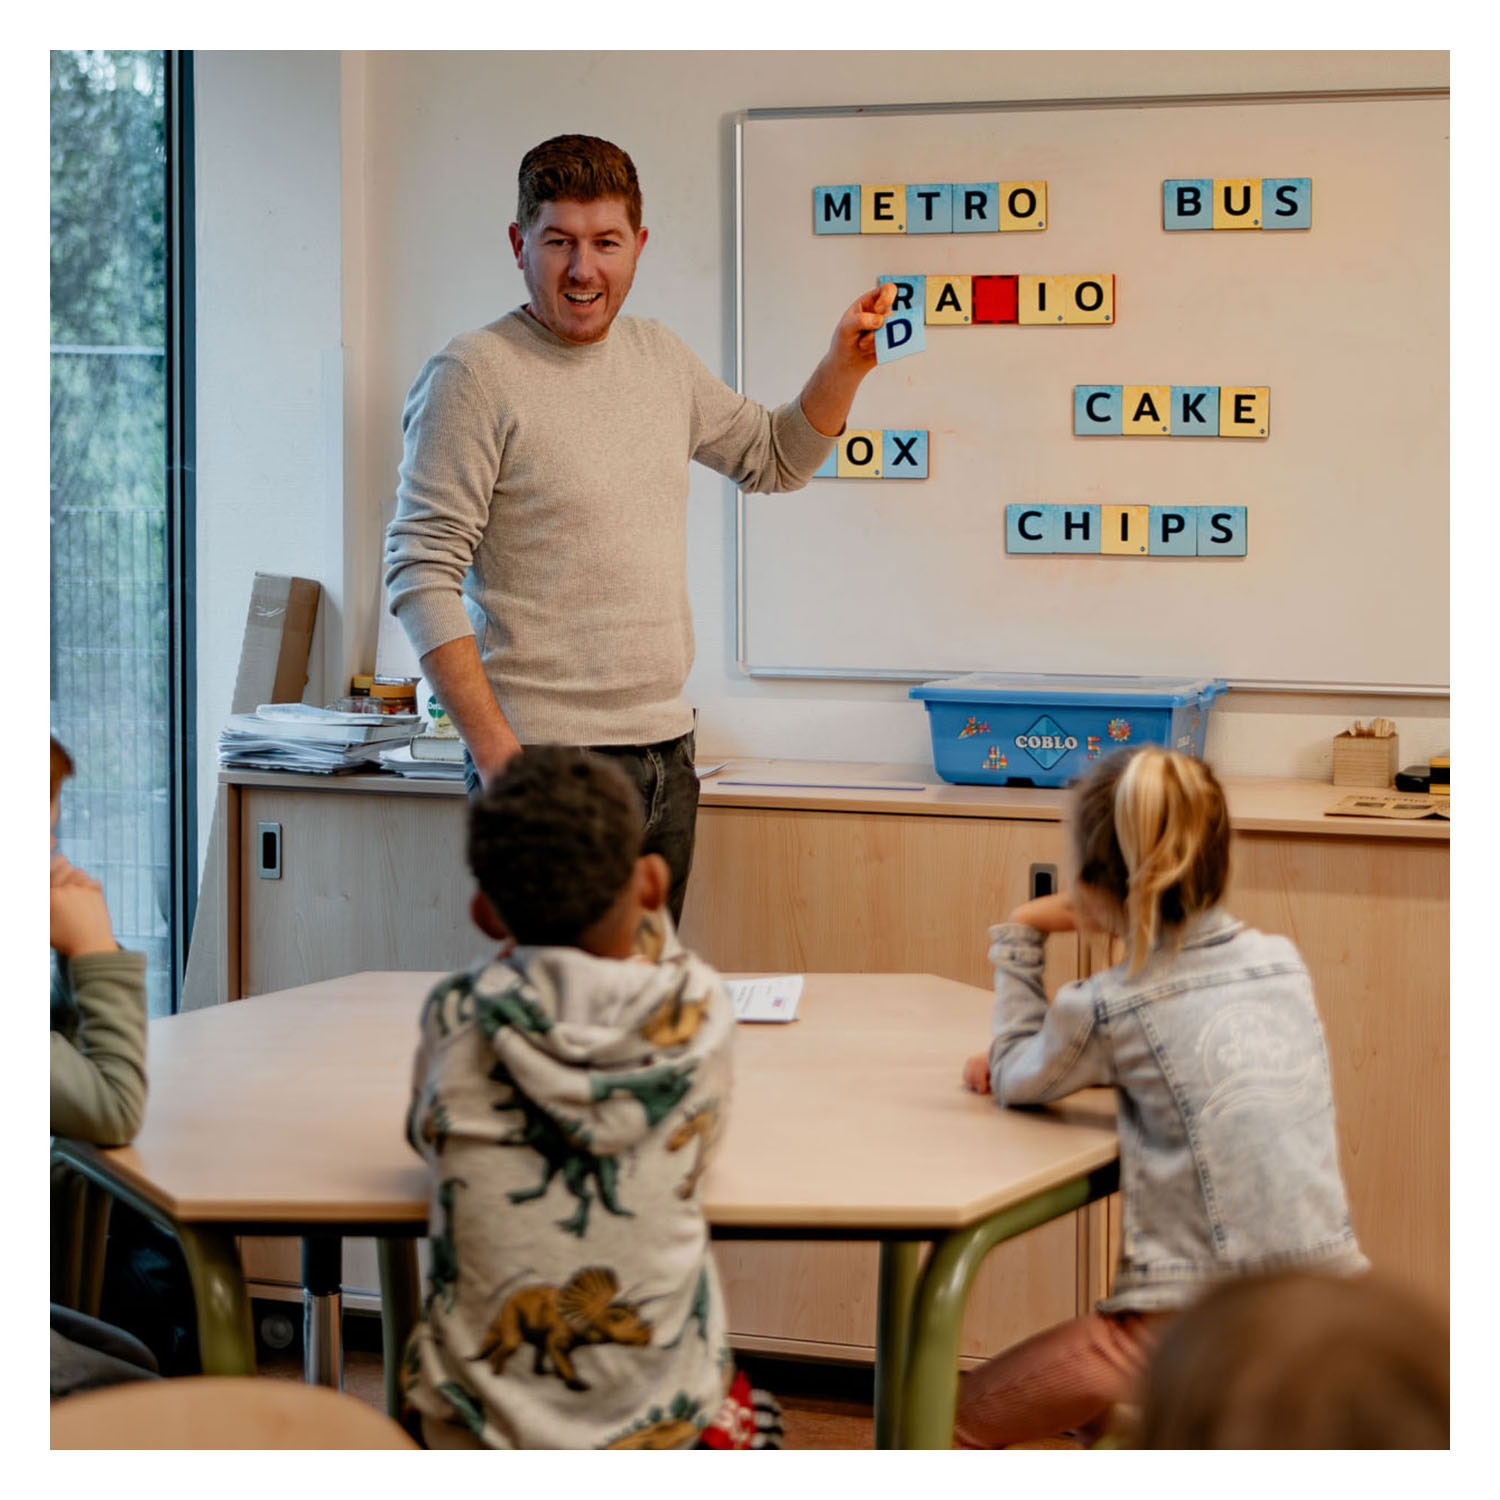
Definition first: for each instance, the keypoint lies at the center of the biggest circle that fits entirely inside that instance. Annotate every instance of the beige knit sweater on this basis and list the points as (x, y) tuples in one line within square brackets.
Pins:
[(542, 507)]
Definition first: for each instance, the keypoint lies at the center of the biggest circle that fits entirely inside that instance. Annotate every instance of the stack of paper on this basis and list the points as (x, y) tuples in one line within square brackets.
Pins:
[(299, 737), (403, 762)]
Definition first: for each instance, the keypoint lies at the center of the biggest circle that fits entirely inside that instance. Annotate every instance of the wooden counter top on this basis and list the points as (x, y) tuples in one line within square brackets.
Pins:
[(1256, 804)]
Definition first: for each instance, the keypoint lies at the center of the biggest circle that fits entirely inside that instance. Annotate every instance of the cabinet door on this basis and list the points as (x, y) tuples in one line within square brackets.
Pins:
[(368, 881)]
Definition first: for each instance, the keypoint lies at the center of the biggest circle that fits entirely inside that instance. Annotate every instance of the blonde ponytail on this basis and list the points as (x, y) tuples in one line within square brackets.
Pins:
[(1153, 835)]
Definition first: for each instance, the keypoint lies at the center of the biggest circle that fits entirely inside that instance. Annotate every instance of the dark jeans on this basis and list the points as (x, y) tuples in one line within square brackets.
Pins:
[(665, 776)]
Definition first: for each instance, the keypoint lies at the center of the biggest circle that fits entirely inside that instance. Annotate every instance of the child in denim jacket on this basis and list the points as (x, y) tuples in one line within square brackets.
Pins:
[(1228, 1153)]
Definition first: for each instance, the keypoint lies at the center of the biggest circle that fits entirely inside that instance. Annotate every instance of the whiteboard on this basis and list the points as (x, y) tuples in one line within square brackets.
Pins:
[(1345, 580)]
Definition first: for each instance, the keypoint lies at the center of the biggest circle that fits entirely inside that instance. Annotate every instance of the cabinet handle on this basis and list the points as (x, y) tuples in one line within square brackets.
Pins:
[(268, 836), (1041, 880)]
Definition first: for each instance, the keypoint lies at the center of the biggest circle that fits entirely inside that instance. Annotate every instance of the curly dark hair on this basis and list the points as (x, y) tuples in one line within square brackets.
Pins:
[(553, 841), (579, 169)]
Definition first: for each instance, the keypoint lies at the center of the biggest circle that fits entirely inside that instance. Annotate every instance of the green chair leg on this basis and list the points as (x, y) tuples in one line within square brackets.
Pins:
[(400, 1308), (931, 1395), (900, 1269)]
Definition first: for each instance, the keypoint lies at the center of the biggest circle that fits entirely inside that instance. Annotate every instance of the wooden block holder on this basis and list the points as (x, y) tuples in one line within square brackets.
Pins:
[(1364, 760)]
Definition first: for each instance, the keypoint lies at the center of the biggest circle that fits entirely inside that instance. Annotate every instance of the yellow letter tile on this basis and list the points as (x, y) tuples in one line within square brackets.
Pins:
[(1087, 299), (1236, 202), (1125, 530), (860, 454), (1038, 300), (1023, 205), (1244, 411), (950, 299), (882, 208), (1147, 411)]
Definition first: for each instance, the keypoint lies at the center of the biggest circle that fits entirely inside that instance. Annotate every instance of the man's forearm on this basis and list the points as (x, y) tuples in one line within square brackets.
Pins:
[(458, 678), (829, 394)]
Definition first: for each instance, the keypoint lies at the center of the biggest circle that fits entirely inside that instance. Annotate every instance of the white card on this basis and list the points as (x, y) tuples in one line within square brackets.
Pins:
[(771, 999)]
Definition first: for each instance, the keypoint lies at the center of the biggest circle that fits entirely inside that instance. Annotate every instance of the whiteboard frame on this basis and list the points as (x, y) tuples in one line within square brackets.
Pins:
[(997, 106)]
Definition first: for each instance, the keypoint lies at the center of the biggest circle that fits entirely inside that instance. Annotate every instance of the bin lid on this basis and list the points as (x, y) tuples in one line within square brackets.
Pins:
[(1040, 687)]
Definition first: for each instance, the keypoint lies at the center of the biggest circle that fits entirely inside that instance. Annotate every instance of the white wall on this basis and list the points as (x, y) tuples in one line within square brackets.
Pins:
[(428, 144)]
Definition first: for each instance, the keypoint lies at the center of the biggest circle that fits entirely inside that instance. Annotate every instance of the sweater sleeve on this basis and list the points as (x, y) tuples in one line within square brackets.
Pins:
[(449, 467), (762, 451), (1039, 1052), (99, 1077)]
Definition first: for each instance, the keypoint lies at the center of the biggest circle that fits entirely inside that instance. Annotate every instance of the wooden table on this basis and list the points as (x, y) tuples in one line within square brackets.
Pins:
[(284, 1114)]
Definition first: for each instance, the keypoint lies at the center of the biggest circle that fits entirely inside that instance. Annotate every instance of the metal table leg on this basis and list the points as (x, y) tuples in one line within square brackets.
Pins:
[(400, 1308), (323, 1310), (931, 1389), (900, 1268)]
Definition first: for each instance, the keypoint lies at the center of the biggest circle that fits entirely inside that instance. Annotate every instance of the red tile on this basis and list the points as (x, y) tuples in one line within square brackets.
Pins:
[(994, 299)]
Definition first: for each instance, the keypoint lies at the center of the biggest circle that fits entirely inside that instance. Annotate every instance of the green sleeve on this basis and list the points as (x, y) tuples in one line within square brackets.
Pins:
[(99, 1077)]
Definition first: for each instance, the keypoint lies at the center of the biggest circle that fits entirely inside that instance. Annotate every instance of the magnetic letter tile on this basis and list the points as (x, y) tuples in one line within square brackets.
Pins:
[(1222, 531), (1037, 300), (1286, 202), (1244, 410), (994, 299), (1187, 203), (1030, 528), (1237, 203), (1096, 410), (976, 207), (905, 453), (860, 454), (1023, 205), (1087, 299), (950, 299), (882, 208), (1195, 411), (1078, 529), (829, 468), (1126, 530), (901, 334), (1173, 531), (929, 208), (1147, 411), (910, 297), (836, 209)]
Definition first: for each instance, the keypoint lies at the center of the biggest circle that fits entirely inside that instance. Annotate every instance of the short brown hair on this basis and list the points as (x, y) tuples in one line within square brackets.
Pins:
[(1151, 833), (575, 169), (62, 766), (1299, 1360), (553, 841)]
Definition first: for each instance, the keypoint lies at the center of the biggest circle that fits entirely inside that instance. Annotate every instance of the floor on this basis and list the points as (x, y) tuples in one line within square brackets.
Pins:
[(824, 1406)]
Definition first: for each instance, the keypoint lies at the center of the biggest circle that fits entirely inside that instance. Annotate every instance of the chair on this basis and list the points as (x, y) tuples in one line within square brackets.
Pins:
[(221, 1411)]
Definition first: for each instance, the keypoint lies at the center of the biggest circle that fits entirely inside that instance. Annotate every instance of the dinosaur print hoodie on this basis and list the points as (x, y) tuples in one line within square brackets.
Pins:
[(567, 1106)]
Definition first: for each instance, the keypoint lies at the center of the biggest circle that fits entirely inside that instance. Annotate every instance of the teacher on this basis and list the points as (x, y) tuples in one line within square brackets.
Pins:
[(537, 557)]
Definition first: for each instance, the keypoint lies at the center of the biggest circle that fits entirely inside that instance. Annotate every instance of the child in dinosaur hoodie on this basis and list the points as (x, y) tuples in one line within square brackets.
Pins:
[(567, 1093)]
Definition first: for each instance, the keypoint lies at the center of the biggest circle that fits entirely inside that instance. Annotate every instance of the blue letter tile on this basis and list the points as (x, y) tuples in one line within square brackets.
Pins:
[(911, 295), (929, 208), (1195, 411), (906, 454), (1286, 202), (900, 335), (976, 207), (1097, 410), (1222, 531), (829, 468), (1187, 203), (1031, 528), (1077, 529), (1173, 531), (836, 209)]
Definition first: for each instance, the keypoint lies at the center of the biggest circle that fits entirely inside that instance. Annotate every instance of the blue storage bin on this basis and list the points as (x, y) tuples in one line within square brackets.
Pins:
[(1028, 729)]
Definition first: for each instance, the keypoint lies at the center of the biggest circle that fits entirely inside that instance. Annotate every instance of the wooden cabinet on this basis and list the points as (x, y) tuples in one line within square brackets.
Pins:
[(372, 877)]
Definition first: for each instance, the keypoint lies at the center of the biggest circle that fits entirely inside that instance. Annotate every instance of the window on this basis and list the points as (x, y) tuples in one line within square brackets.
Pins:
[(120, 490)]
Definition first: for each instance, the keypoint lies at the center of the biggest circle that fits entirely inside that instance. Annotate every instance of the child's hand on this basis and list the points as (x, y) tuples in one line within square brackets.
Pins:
[(80, 919), (977, 1073), (1052, 913)]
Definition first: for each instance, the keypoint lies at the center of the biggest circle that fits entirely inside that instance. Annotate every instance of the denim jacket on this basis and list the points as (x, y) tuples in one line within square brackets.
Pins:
[(1228, 1155)]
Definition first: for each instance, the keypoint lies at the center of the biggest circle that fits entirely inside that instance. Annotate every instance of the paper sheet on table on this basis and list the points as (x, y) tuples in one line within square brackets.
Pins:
[(773, 998)]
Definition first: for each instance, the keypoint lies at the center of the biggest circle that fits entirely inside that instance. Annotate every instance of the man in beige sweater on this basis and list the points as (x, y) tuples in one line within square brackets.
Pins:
[(537, 557)]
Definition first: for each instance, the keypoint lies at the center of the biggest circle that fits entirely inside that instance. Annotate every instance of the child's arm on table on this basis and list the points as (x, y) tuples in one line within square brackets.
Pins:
[(1036, 1053), (98, 1078)]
